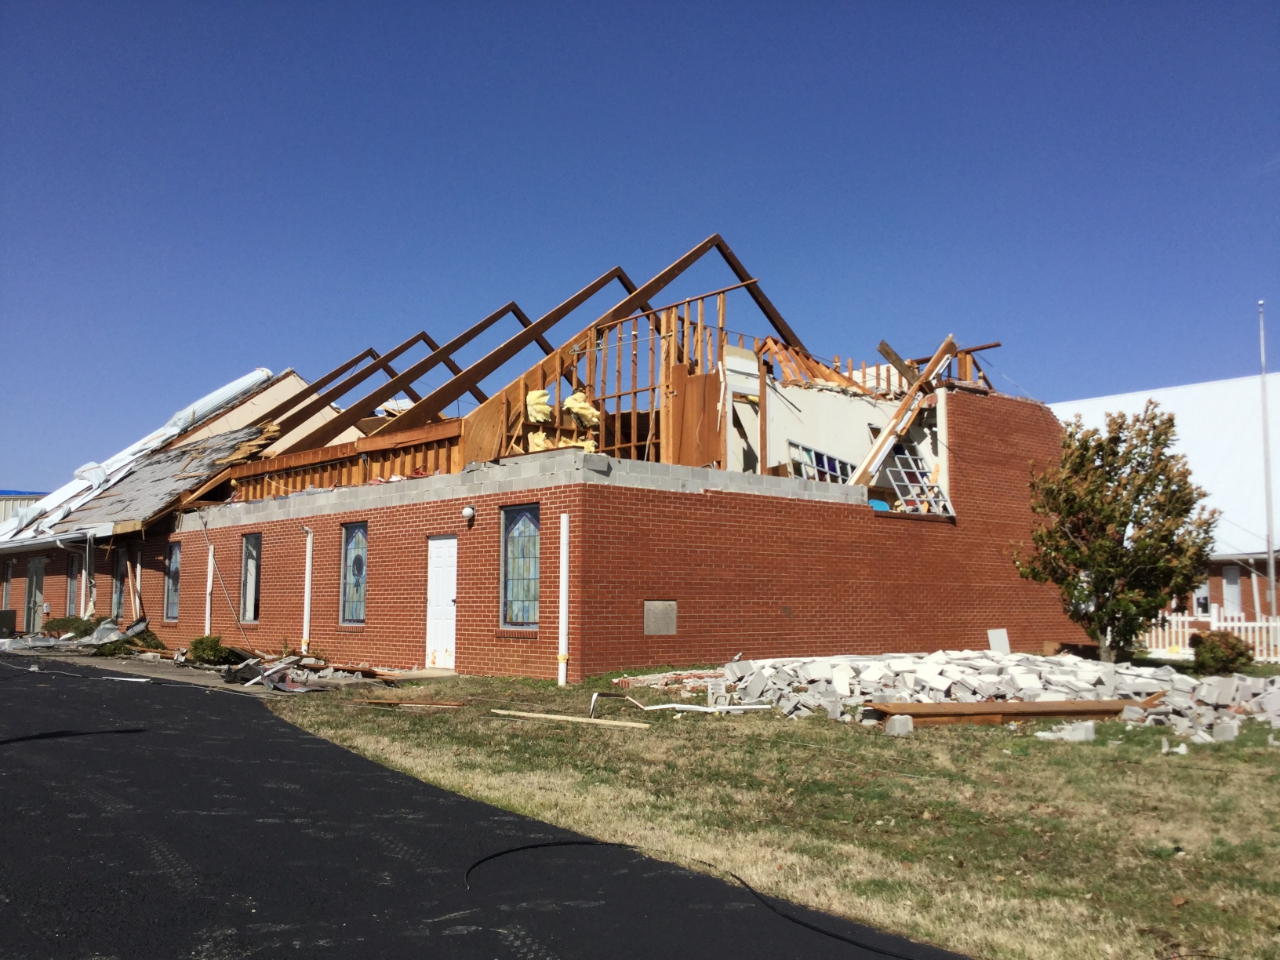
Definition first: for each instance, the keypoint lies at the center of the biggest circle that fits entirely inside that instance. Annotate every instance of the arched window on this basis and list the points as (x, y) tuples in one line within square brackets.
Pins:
[(520, 548)]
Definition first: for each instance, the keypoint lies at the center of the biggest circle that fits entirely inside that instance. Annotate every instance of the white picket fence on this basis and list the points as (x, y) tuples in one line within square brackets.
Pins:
[(1171, 639)]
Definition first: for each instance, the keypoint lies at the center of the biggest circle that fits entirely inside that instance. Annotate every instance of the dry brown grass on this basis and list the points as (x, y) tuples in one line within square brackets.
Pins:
[(982, 840)]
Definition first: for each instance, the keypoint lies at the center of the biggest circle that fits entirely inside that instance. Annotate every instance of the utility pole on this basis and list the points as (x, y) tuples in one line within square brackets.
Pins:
[(1266, 463)]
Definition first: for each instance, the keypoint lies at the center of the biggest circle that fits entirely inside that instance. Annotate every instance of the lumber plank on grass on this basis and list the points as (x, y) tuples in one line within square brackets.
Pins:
[(413, 703), (561, 716), (1047, 710)]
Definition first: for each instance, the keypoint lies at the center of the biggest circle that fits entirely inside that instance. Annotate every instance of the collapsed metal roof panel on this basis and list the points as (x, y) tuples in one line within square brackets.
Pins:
[(156, 481), (92, 479)]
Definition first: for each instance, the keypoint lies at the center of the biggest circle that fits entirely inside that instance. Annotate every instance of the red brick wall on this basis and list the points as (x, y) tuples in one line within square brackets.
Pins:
[(394, 632), (767, 576), (781, 577)]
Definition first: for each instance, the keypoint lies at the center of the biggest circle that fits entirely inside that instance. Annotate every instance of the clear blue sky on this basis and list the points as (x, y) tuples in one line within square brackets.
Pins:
[(188, 191)]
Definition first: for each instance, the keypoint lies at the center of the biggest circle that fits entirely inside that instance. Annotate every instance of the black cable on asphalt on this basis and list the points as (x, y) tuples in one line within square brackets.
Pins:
[(466, 877), (805, 923)]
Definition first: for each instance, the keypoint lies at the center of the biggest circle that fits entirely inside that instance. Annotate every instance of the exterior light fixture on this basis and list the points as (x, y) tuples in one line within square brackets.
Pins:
[(468, 513)]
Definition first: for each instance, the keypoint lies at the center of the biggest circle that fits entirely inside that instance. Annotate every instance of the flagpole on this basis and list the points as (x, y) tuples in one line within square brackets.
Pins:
[(1266, 462)]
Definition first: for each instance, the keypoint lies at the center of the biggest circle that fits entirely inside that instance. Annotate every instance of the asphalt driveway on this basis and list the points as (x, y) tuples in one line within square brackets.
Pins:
[(141, 820)]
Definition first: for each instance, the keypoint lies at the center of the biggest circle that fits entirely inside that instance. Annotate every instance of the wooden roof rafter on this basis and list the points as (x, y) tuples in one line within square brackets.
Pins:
[(397, 384), (637, 298)]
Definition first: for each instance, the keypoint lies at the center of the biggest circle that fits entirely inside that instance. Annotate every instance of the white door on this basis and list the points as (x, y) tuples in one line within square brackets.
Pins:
[(1231, 590), (442, 600)]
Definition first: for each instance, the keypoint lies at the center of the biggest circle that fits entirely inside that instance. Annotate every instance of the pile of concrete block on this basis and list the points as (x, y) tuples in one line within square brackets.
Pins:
[(1205, 710)]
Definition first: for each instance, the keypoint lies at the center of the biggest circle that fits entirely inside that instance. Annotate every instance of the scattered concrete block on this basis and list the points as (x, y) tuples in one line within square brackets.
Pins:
[(1184, 684), (1181, 726), (1071, 732), (842, 676), (1132, 713), (899, 726), (1224, 731), (1201, 738), (999, 641)]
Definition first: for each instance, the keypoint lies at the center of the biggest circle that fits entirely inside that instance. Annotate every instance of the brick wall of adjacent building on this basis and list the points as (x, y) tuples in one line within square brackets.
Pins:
[(764, 575)]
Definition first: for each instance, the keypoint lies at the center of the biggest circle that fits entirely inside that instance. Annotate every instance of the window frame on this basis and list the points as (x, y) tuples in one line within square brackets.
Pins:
[(511, 516), (119, 583), (345, 604), (173, 581), (6, 589), (75, 570), (245, 540)]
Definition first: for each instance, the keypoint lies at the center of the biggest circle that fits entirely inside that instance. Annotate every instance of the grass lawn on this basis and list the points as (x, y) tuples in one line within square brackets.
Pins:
[(983, 840)]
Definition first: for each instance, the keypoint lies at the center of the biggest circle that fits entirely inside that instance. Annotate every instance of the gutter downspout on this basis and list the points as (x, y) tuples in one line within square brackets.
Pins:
[(208, 595), (562, 674), (306, 593)]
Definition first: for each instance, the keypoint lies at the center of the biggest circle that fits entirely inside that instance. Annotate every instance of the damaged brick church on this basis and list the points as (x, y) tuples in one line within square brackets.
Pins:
[(658, 489)]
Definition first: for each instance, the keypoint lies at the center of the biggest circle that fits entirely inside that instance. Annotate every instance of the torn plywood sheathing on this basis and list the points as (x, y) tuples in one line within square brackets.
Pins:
[(250, 448)]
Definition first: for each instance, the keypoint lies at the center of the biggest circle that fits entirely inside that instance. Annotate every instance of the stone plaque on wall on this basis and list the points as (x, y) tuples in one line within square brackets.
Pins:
[(659, 618)]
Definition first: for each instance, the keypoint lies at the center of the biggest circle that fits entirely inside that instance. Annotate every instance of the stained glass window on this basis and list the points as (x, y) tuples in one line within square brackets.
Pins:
[(520, 548), (355, 560)]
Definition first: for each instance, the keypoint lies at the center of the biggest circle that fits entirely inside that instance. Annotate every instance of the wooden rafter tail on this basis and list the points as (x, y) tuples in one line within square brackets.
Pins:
[(300, 416), (314, 387), (902, 417), (211, 483), (362, 408)]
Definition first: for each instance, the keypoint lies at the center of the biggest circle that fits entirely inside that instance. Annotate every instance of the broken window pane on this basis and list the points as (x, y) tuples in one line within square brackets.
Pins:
[(119, 574), (810, 464), (171, 581)]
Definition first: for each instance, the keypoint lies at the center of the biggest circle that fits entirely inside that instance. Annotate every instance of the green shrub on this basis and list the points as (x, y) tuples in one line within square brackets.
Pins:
[(116, 648), (209, 649), (1220, 652)]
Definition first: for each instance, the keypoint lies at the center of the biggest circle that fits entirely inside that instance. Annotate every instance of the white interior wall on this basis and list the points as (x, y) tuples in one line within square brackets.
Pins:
[(829, 421)]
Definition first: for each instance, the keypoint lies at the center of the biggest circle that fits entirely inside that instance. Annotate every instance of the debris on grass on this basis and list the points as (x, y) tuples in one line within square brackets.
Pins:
[(1208, 710)]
